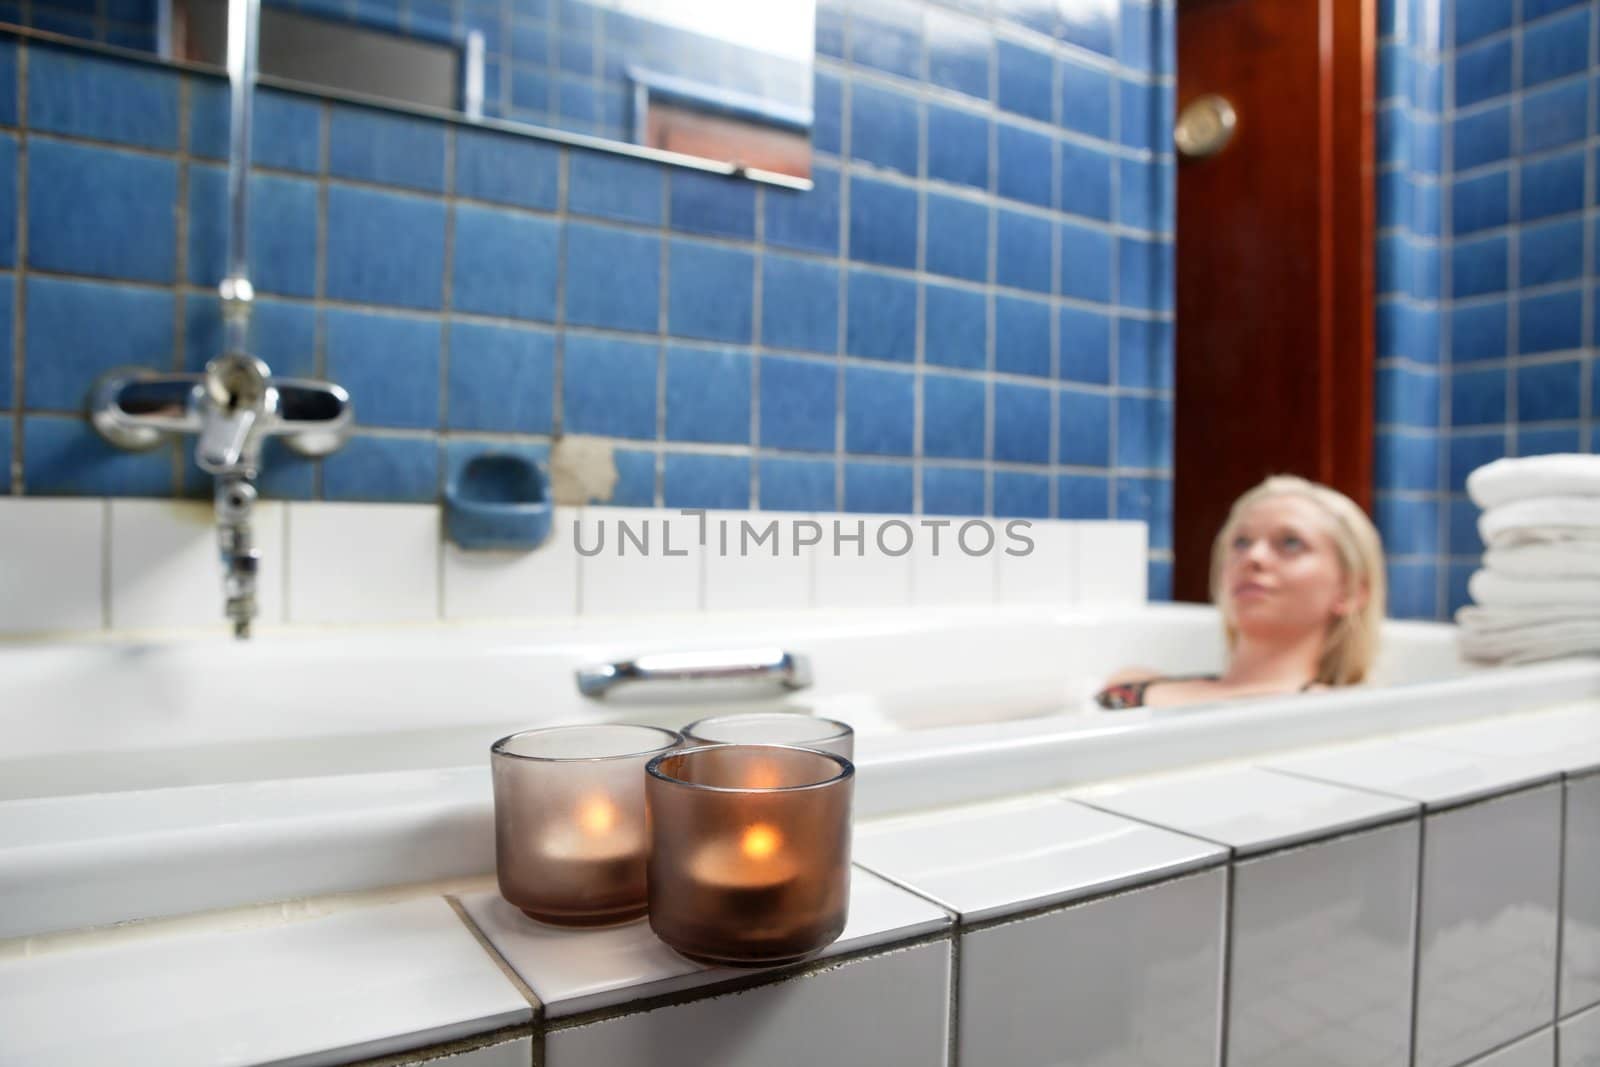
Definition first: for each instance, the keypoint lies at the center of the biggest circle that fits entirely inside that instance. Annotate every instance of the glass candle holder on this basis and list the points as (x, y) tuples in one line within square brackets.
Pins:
[(570, 834), (774, 728), (750, 851)]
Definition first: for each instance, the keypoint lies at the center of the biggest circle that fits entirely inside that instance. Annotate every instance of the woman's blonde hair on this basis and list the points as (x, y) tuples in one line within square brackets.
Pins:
[(1352, 641)]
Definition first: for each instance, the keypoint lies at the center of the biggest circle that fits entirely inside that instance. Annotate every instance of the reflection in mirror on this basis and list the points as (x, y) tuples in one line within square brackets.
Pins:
[(723, 80)]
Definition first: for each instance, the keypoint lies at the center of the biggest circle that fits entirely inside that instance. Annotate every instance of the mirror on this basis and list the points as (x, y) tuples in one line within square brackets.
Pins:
[(727, 81)]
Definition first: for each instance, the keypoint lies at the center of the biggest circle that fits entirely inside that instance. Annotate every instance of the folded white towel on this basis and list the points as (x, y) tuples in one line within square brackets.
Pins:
[(1493, 590), (1567, 559), (1541, 521), (1488, 622), (1528, 477), (1554, 641)]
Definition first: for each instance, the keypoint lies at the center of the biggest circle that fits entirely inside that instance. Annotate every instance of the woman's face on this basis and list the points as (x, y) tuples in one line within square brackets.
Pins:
[(1283, 576)]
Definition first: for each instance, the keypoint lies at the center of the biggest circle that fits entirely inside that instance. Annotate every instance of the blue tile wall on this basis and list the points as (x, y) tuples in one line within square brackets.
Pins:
[(970, 313)]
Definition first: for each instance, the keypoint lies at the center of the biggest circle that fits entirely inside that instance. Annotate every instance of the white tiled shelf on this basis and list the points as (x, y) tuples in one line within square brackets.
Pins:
[(1434, 777)]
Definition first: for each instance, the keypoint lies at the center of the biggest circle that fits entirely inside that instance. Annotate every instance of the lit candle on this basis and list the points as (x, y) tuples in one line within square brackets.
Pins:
[(596, 846), (747, 876)]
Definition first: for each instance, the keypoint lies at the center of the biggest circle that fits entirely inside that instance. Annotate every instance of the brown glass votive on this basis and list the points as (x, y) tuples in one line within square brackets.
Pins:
[(774, 728), (569, 820), (750, 851)]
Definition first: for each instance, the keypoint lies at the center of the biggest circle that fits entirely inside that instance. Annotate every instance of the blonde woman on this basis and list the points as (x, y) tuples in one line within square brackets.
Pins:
[(1297, 573)]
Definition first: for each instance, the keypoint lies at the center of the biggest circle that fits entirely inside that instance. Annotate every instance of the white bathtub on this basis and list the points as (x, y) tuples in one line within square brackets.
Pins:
[(142, 780)]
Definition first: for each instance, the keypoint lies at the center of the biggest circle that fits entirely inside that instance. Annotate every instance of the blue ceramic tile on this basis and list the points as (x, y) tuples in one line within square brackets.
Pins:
[(805, 220), (1482, 137), (796, 484), (1022, 336), (799, 304), (1395, 266), (5, 450), (1427, 277), (1456, 595), (1554, 117), (958, 146), (1021, 496), (1476, 19), (283, 334), (1550, 253), (1394, 135), (1085, 346), (613, 278), (712, 204), (953, 416), (1543, 442), (385, 248), (884, 128), (1407, 461), (1464, 539), (105, 99), (501, 378), (1144, 354), (1083, 496), (1037, 15), (1144, 432), (1413, 590), (879, 411), (577, 104), (695, 480), (708, 395), (956, 237), (8, 200), (1021, 423), (1555, 48), (1469, 451), (887, 35), (1478, 267), (1137, 193), (614, 187), (958, 54), (507, 169), (1088, 24), (7, 315), (530, 95), (283, 234), (636, 480), (389, 363), (8, 80), (955, 327), (1147, 500), (1085, 181), (1158, 579), (1549, 392), (1427, 86), (883, 223), (1426, 209), (1533, 9), (77, 330), (1085, 263), (65, 456), (1025, 82), (388, 149), (1086, 99), (608, 387), (712, 292), (1022, 251), (882, 488), (529, 41), (1026, 165), (830, 28), (799, 404), (1478, 398), (1483, 72), (64, 23), (383, 469), (1136, 47), (1084, 439), (827, 123), (287, 135), (952, 491), (1478, 331), (1481, 203), (1410, 527), (505, 264), (1144, 270), (1408, 398), (1136, 115), (1552, 186), (575, 54), (881, 319), (99, 211)]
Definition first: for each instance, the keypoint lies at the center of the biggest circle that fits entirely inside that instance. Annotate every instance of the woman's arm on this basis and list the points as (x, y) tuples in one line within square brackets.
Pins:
[(1130, 675)]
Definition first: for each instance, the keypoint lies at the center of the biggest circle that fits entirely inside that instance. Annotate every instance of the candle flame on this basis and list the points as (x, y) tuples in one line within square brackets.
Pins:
[(760, 841), (597, 816)]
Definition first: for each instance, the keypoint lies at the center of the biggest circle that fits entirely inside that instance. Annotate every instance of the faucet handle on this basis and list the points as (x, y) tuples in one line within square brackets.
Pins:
[(137, 408), (237, 386), (313, 416)]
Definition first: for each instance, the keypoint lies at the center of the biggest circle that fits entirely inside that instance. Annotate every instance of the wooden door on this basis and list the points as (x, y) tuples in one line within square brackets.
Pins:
[(1275, 284)]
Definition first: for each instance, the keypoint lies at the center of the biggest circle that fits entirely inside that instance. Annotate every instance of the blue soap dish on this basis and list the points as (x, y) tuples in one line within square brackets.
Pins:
[(497, 500)]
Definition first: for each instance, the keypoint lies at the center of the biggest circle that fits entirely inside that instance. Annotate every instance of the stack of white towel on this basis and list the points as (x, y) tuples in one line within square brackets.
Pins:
[(1537, 595)]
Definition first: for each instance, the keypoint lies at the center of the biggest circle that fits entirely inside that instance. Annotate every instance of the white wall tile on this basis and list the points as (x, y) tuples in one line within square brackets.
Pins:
[(1539, 1050), (1112, 563), (1047, 573), (1487, 965), (744, 574), (52, 562), (851, 574), (888, 1011), (165, 567), (942, 573), (1321, 953), (501, 585), (1580, 929), (645, 560), (363, 563), (1580, 1040), (1133, 978)]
